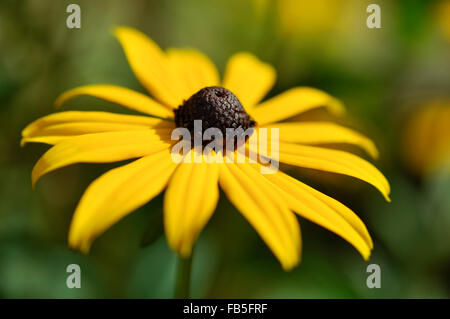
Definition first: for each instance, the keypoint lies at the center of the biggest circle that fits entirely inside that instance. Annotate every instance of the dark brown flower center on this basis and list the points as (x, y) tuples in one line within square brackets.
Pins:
[(216, 107)]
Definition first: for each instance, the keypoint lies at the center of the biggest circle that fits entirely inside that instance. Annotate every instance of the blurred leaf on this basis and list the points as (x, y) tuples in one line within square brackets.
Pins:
[(154, 230)]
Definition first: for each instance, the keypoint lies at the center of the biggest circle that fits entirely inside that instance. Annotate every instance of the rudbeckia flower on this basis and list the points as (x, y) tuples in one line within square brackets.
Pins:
[(426, 138), (268, 201)]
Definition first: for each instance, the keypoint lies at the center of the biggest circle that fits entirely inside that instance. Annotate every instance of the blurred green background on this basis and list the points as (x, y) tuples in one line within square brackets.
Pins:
[(384, 76)]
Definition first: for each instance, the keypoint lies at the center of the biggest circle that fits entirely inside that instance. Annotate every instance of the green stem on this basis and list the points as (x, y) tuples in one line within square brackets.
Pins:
[(183, 280)]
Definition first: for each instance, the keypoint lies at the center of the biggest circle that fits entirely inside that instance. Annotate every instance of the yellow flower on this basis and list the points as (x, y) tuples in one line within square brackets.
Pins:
[(267, 201), (309, 17), (426, 138), (442, 14)]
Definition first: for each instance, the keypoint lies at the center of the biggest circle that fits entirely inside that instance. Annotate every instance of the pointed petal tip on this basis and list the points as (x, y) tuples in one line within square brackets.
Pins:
[(290, 265), (366, 256), (85, 249), (80, 247), (120, 30), (386, 194), (33, 183), (183, 250), (369, 241), (287, 268), (372, 150), (77, 243), (115, 30), (60, 100), (291, 261), (366, 252), (338, 107), (26, 131), (34, 177)]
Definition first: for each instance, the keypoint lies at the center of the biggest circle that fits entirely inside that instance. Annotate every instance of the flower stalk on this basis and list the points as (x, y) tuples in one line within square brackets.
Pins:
[(183, 279)]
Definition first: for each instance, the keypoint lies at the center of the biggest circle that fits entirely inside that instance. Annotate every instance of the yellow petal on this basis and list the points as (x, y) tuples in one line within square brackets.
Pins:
[(100, 148), (189, 202), (117, 193), (292, 102), (151, 66), (120, 95), (80, 128), (90, 116), (322, 210), (248, 78), (50, 140), (54, 134), (56, 127), (195, 69), (322, 133), (334, 161), (265, 211)]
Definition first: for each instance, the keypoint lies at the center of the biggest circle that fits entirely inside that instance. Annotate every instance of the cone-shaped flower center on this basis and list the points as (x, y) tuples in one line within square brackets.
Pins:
[(216, 107)]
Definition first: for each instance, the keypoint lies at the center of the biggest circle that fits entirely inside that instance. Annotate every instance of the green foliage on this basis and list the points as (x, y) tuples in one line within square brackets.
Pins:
[(370, 70)]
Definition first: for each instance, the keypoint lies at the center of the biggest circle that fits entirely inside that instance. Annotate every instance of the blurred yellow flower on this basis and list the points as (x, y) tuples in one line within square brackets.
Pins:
[(308, 17), (426, 138), (442, 12), (267, 201)]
